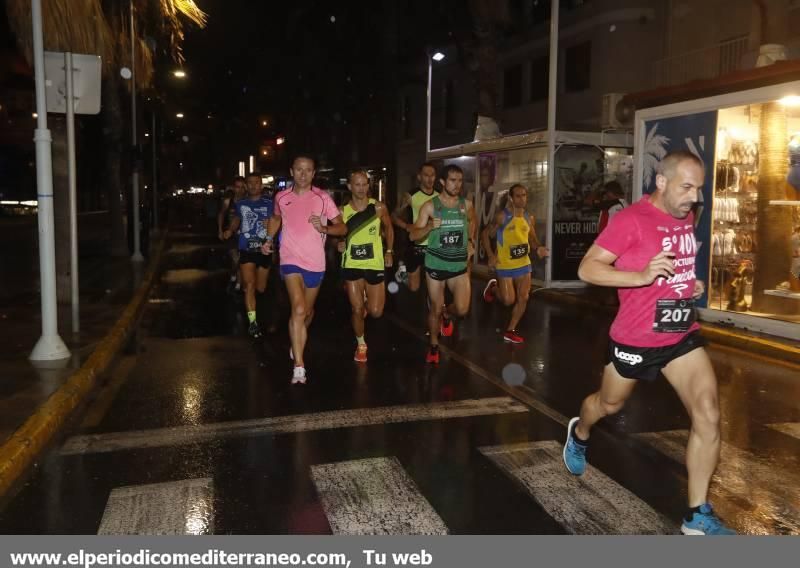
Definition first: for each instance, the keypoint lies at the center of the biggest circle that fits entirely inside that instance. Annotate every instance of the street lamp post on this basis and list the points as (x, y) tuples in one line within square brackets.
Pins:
[(50, 346), (137, 253), (437, 56)]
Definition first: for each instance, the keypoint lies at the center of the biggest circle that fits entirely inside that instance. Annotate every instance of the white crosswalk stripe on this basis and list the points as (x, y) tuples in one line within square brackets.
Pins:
[(172, 508), (376, 497), (590, 504), (756, 495), (181, 435), (789, 428)]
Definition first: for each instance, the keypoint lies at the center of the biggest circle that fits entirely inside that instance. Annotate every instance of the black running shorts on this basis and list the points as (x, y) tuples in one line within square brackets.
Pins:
[(645, 363), (415, 257), (372, 277), (250, 257)]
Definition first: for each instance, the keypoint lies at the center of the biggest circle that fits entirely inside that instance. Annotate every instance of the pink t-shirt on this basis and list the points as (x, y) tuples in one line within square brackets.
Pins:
[(635, 235), (300, 243)]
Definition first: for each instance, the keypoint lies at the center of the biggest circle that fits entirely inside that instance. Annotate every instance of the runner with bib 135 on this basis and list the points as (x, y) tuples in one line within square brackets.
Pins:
[(648, 251)]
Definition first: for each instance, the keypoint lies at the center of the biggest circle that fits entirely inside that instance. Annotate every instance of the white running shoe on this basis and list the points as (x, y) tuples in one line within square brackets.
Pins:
[(299, 376)]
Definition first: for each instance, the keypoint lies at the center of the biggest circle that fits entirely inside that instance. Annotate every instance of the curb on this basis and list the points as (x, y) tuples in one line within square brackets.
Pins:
[(22, 448), (722, 336)]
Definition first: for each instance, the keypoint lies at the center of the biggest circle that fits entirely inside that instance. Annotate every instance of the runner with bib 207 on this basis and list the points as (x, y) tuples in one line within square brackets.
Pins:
[(648, 251)]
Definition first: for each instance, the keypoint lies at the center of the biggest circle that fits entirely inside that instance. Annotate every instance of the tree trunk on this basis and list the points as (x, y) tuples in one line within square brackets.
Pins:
[(774, 228), (113, 130)]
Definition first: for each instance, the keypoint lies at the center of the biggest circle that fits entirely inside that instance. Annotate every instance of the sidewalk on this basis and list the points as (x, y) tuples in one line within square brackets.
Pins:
[(108, 285)]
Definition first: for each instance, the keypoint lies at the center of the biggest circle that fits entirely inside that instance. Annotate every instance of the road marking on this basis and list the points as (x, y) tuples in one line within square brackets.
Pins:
[(756, 495), (181, 435), (523, 394), (173, 508), (589, 504), (374, 497)]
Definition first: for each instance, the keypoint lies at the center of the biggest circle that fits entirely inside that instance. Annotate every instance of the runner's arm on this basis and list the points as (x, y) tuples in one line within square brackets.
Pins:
[(424, 224), (336, 228), (221, 214), (399, 213), (232, 229), (273, 225), (534, 244), (488, 230), (597, 268), (388, 229)]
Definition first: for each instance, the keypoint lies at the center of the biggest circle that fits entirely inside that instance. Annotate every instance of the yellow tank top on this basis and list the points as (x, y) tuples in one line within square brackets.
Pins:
[(418, 199), (363, 248), (513, 249)]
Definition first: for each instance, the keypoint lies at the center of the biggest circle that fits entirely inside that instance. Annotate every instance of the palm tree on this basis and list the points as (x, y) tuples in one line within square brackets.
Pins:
[(101, 27), (774, 229)]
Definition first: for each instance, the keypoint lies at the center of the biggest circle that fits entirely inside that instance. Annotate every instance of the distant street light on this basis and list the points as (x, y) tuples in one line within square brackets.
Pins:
[(437, 56), (280, 140), (179, 73), (263, 123), (179, 115)]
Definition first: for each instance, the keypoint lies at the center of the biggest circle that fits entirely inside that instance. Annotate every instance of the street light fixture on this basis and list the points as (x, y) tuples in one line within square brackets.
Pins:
[(280, 140), (435, 56), (179, 73), (179, 115)]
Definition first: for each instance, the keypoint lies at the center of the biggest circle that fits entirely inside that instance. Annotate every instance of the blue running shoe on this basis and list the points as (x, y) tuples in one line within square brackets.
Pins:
[(705, 522), (574, 450)]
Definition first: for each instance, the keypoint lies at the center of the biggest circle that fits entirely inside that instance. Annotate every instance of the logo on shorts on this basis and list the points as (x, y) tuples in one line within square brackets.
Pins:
[(630, 358)]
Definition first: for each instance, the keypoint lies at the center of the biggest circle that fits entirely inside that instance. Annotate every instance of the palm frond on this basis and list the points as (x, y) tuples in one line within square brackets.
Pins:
[(171, 14), (78, 26)]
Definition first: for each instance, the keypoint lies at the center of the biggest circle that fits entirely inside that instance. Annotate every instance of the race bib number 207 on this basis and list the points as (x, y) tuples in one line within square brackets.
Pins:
[(674, 316)]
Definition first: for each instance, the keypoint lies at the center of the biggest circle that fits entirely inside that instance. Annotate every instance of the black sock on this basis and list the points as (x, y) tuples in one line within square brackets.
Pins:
[(690, 513), (578, 440)]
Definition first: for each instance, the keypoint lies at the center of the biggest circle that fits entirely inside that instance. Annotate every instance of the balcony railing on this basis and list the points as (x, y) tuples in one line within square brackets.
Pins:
[(704, 63)]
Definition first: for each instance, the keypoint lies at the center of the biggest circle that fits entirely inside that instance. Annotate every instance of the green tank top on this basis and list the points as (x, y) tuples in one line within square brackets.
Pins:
[(363, 247), (418, 199), (447, 245)]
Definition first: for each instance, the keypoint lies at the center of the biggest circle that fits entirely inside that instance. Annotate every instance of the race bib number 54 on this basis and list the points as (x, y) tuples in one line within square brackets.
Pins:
[(674, 316)]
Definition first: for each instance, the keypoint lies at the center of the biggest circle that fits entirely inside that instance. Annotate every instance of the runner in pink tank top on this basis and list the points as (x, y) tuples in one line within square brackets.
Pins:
[(648, 251), (305, 216)]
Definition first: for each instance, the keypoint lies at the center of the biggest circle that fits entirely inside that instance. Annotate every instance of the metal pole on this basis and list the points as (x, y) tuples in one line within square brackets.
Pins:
[(552, 93), (428, 124), (137, 252), (73, 205), (155, 178), (50, 347)]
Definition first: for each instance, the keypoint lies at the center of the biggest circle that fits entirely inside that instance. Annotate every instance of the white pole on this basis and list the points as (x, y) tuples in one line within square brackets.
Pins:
[(155, 178), (428, 123), (552, 93), (50, 347), (73, 205), (137, 252)]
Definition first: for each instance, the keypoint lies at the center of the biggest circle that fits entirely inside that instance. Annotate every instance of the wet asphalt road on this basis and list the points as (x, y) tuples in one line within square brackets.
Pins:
[(198, 429)]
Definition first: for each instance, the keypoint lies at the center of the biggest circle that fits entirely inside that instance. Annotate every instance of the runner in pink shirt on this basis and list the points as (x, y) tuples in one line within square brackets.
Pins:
[(305, 215), (648, 251)]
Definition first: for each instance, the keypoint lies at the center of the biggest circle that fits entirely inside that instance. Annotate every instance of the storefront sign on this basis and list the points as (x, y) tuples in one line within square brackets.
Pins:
[(579, 179)]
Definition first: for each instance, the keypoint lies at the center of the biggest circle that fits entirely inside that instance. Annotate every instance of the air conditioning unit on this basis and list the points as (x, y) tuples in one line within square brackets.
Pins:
[(614, 113)]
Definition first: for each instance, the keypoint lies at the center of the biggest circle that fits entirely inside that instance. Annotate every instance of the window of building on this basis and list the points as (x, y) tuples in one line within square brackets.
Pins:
[(512, 86), (540, 74), (755, 242), (449, 105), (578, 67)]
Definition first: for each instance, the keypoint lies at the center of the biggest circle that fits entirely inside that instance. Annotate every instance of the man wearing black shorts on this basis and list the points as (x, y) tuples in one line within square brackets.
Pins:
[(251, 214), (648, 251)]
